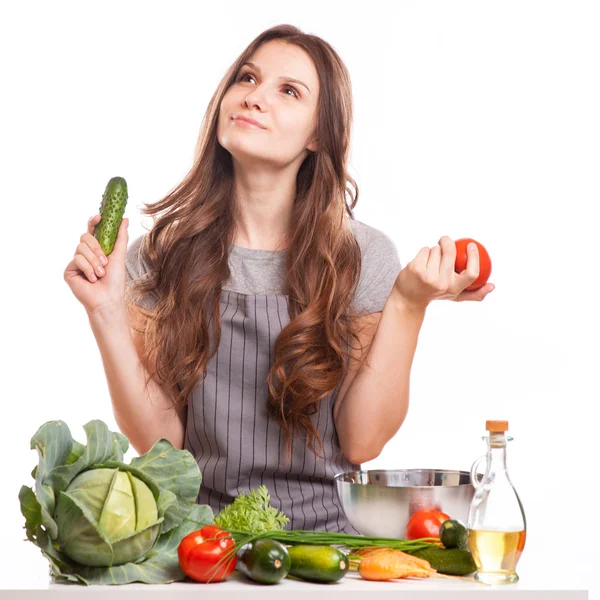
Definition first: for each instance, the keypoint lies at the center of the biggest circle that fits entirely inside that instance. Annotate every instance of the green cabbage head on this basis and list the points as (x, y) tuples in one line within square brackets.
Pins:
[(106, 517), (101, 521)]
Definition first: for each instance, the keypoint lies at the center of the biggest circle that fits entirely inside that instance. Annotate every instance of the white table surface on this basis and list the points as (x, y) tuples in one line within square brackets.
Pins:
[(539, 586), (546, 572)]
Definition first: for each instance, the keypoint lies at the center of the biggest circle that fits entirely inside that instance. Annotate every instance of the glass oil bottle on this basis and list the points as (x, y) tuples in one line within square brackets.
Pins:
[(496, 523)]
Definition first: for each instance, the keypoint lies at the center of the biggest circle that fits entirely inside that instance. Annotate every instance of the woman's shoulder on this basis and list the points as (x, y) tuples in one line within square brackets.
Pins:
[(137, 262), (137, 266), (372, 241), (380, 265)]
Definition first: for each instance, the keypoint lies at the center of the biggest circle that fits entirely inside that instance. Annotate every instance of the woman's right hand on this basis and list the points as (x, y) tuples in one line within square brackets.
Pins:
[(99, 286)]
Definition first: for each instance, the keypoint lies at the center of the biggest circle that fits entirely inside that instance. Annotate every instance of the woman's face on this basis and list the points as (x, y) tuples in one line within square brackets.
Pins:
[(286, 109)]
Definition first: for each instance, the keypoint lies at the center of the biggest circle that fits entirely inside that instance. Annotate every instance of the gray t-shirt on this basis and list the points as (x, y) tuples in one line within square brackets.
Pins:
[(261, 271), (235, 441)]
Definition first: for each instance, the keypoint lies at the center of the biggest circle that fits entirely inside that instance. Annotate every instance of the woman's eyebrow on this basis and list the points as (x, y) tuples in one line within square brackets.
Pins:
[(282, 78)]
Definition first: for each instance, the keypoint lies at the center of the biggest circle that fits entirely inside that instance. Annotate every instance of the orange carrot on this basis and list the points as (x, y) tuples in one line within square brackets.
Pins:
[(387, 564)]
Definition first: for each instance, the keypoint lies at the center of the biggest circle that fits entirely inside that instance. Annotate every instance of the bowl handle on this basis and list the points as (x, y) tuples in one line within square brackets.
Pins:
[(474, 470)]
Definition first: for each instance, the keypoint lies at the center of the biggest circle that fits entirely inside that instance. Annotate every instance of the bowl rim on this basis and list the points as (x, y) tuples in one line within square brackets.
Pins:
[(338, 477)]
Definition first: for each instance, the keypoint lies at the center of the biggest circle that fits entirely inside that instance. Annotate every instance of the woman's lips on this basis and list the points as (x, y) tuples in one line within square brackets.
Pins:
[(244, 123)]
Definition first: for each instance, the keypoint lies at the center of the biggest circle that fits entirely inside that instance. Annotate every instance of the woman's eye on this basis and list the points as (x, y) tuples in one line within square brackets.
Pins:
[(243, 76), (287, 87)]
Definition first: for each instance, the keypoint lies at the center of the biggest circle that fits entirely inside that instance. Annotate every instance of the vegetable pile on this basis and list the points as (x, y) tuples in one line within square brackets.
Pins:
[(100, 521), (270, 556)]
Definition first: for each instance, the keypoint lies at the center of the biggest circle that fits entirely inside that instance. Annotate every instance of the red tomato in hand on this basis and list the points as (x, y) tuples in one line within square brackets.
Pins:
[(485, 264), (200, 551), (425, 523)]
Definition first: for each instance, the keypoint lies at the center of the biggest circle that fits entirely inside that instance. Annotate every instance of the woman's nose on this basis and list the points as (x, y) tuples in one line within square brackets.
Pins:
[(252, 102), (256, 98)]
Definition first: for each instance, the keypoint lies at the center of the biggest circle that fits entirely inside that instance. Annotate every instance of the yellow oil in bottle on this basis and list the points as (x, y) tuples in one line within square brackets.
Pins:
[(496, 554), (496, 526)]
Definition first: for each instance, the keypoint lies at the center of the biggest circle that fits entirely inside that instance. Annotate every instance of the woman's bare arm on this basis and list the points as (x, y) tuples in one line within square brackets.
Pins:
[(142, 416)]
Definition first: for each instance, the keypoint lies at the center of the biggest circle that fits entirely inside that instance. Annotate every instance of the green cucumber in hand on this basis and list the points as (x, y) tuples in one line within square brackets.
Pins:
[(112, 209)]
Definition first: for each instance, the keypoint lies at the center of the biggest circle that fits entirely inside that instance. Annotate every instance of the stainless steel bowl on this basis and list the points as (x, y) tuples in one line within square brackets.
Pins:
[(380, 503)]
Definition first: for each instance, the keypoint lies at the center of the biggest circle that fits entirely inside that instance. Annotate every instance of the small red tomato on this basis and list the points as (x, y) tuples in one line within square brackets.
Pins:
[(200, 551), (485, 264), (425, 523)]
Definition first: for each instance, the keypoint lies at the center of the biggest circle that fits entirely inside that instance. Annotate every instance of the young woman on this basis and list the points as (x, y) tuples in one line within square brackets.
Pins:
[(258, 324)]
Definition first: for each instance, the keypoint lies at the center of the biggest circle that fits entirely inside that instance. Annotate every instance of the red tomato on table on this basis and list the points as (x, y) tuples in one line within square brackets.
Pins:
[(485, 264), (425, 523), (200, 551)]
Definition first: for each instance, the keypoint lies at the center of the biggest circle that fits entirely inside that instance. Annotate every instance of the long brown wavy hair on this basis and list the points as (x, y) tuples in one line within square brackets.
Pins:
[(188, 246)]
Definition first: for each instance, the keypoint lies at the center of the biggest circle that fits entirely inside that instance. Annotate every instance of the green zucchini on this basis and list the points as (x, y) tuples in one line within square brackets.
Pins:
[(264, 560), (318, 563), (112, 209), (448, 561), (453, 534)]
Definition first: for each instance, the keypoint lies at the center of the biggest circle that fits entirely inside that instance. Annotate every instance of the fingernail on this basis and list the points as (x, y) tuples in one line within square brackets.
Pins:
[(104, 260)]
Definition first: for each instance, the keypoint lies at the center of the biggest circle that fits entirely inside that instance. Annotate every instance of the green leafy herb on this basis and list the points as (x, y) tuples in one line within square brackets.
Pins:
[(252, 512)]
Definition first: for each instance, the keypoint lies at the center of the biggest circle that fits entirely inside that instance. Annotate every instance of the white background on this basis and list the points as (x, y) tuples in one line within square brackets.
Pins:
[(472, 119)]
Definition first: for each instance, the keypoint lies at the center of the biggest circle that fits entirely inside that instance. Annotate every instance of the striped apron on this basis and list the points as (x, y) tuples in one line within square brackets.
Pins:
[(239, 446)]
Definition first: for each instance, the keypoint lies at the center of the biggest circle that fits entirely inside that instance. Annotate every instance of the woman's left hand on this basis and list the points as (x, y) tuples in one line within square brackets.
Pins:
[(431, 276)]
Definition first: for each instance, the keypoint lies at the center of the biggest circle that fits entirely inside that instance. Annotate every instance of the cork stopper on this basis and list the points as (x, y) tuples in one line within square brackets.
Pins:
[(496, 426)]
